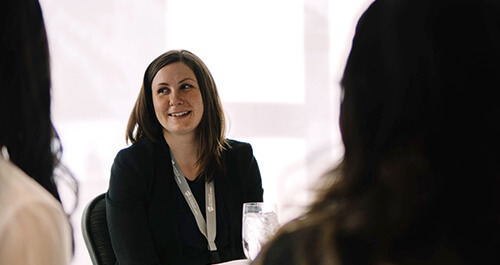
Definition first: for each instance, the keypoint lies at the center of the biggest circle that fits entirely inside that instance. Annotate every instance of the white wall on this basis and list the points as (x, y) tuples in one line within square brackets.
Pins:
[(277, 64)]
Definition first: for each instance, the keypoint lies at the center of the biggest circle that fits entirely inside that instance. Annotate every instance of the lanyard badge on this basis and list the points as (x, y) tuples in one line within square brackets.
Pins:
[(208, 228)]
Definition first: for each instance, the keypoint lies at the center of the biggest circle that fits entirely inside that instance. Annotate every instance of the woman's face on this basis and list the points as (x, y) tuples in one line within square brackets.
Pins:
[(177, 99)]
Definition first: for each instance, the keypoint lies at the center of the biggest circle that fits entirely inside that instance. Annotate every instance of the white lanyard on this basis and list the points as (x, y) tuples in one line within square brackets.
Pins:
[(195, 209)]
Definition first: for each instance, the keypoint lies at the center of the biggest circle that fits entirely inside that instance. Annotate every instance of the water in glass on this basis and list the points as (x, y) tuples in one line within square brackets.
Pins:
[(260, 222)]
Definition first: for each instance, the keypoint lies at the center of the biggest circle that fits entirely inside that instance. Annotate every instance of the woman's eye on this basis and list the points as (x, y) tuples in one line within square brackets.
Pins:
[(186, 86), (162, 90)]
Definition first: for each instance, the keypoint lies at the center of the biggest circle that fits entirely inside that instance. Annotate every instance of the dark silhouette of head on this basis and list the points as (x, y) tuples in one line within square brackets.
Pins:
[(418, 121), (419, 182), (25, 120)]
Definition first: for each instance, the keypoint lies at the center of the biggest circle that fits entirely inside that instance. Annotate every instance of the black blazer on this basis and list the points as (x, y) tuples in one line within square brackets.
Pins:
[(141, 200)]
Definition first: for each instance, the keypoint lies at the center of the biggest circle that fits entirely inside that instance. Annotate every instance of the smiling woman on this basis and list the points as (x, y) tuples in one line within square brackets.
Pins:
[(177, 130), (177, 100)]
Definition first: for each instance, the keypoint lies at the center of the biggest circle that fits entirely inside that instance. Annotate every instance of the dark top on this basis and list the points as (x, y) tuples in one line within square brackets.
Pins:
[(151, 223)]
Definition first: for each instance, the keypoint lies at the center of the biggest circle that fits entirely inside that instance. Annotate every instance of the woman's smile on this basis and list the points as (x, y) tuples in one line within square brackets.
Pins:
[(179, 114)]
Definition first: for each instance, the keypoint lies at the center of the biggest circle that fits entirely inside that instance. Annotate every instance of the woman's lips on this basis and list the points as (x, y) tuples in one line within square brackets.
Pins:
[(179, 114)]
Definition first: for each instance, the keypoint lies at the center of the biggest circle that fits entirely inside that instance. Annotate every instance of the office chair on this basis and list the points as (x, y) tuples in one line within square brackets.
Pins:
[(95, 232)]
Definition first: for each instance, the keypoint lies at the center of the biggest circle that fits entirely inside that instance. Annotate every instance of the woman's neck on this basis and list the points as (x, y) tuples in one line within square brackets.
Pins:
[(185, 151)]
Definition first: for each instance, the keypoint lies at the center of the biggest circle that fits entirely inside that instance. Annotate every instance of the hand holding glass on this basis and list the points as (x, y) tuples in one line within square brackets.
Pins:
[(260, 223)]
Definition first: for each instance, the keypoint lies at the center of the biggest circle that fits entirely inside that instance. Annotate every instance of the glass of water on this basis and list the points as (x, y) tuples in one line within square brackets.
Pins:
[(260, 223)]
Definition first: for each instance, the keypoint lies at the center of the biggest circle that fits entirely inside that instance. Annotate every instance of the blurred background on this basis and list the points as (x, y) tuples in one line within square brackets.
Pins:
[(277, 65)]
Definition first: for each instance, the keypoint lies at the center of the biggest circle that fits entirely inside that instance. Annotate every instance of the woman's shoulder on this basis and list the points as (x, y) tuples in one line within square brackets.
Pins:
[(138, 159), (142, 150), (238, 146), (238, 152), (141, 146), (21, 190), (239, 155), (29, 210)]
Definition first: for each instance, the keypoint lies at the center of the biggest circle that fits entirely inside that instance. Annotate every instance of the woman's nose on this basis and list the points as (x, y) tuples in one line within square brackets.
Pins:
[(175, 98)]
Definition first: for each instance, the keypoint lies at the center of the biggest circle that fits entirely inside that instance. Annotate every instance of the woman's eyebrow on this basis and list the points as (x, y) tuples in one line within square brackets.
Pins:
[(189, 78), (166, 84)]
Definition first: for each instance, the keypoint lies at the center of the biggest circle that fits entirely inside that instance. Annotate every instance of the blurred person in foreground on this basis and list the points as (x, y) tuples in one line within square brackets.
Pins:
[(419, 180), (33, 226), (176, 194)]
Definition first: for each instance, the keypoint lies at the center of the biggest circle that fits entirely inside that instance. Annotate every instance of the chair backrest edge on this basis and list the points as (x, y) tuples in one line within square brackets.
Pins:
[(85, 227)]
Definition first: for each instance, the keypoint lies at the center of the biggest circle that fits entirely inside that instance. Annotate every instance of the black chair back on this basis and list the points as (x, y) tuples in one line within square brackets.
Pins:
[(95, 232)]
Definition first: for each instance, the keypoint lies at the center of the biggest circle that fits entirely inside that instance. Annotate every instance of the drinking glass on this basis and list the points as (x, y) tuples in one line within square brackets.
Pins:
[(260, 223)]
